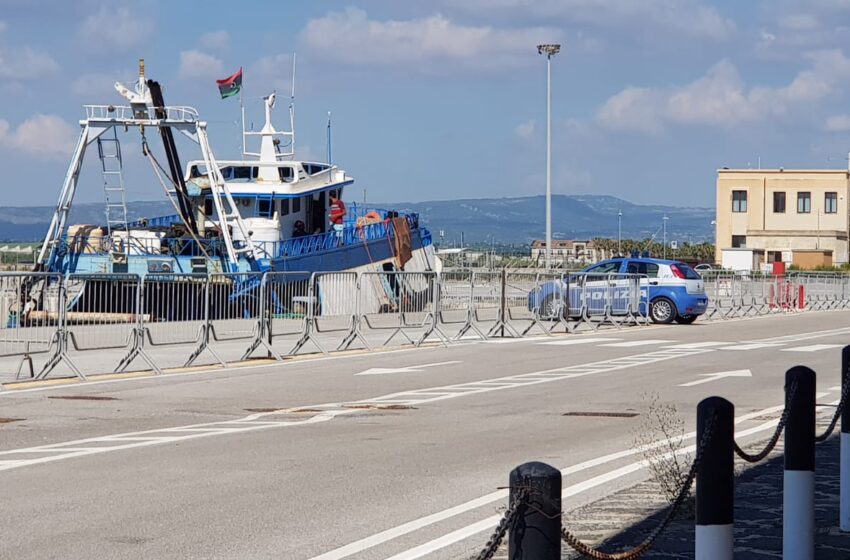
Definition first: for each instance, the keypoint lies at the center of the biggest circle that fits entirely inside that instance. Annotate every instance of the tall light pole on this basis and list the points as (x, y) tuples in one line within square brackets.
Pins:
[(550, 51), (664, 221), (620, 233)]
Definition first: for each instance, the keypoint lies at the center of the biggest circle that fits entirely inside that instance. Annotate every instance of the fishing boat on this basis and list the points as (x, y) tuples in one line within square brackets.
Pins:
[(264, 211)]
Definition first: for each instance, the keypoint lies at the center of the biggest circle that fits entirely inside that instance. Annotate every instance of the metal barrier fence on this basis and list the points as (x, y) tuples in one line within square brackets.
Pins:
[(233, 316)]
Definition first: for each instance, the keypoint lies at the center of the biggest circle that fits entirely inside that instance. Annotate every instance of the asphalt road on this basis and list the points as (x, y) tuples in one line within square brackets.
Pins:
[(396, 454)]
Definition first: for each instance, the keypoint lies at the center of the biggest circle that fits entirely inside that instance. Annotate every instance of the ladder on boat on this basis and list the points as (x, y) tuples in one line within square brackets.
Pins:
[(112, 166)]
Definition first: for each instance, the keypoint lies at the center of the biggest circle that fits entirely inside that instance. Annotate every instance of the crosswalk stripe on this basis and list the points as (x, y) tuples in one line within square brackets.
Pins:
[(633, 343), (812, 348), (572, 341)]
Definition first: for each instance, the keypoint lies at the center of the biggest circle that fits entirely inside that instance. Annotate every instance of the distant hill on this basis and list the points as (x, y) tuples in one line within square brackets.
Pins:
[(508, 220), (520, 220)]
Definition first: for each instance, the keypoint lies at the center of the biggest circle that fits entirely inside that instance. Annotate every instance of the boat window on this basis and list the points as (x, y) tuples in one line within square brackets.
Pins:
[(208, 207), (313, 168), (227, 173), (242, 172), (286, 174), (264, 207), (296, 205), (195, 171), (284, 207)]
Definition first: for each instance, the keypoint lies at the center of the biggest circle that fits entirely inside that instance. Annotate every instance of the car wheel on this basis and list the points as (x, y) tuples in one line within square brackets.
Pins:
[(686, 319), (662, 311), (549, 308)]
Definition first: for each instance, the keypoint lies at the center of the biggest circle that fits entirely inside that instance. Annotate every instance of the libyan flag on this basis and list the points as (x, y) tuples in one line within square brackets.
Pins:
[(230, 86)]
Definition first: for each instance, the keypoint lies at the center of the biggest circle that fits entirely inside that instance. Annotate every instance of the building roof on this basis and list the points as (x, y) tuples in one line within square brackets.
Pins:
[(783, 170), (561, 243)]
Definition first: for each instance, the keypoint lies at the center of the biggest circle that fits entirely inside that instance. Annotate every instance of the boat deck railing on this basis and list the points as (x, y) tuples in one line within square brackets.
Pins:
[(125, 113), (352, 234)]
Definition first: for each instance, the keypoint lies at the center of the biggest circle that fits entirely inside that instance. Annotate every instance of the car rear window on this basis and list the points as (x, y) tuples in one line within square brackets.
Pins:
[(689, 272)]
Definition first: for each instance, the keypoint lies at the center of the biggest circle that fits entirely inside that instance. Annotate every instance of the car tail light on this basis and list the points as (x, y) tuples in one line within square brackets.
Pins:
[(676, 272)]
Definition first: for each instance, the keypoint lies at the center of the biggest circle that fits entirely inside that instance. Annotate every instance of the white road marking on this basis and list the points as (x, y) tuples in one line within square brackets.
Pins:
[(572, 341), (812, 348), (805, 336), (698, 345), (752, 346), (407, 369), (707, 377), (261, 421), (488, 523), (633, 343)]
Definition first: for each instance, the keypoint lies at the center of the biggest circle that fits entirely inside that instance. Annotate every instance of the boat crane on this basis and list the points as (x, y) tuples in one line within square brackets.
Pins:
[(148, 110)]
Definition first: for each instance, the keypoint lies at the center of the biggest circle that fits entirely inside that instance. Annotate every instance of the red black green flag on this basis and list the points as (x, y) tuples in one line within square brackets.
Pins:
[(230, 86)]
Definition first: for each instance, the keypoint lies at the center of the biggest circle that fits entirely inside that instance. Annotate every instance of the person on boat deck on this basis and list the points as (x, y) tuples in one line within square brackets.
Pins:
[(300, 230), (337, 213)]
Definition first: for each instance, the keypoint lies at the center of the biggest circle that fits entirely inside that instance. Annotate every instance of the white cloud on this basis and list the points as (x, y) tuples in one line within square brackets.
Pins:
[(215, 40), (838, 123), (432, 43), (799, 22), (684, 17), (25, 63), (272, 72), (525, 130), (94, 86), (42, 136), (197, 64), (115, 27), (720, 97)]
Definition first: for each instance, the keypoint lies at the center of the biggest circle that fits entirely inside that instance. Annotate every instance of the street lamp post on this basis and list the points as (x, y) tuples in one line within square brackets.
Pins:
[(620, 233), (664, 221), (549, 50)]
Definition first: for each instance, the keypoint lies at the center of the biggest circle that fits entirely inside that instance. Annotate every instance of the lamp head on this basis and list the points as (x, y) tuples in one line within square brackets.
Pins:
[(549, 50)]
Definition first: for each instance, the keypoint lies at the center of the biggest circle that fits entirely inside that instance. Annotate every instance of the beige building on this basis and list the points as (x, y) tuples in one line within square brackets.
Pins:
[(794, 216), (568, 251)]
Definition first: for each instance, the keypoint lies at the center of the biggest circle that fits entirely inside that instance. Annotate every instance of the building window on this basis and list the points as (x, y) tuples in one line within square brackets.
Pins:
[(739, 241), (739, 201), (830, 203), (779, 202), (804, 202)]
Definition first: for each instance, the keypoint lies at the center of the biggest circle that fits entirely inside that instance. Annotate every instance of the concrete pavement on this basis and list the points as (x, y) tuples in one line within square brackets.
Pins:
[(318, 458)]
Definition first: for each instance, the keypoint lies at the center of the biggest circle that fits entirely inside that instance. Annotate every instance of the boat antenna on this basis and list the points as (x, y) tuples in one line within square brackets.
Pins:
[(329, 142), (242, 110), (292, 107)]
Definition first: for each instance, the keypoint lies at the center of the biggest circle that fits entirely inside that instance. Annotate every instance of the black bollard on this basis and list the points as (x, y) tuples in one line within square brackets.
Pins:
[(844, 506), (536, 534), (798, 491), (715, 480)]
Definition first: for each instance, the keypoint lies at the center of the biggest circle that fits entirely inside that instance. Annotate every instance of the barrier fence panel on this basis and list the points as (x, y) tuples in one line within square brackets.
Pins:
[(404, 302), (102, 310), (31, 310), (547, 301), (456, 302), (486, 297), (288, 303), (177, 307), (236, 310), (518, 304), (335, 310)]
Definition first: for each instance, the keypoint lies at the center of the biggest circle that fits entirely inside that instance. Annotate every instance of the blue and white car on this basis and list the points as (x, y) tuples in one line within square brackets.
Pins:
[(672, 289)]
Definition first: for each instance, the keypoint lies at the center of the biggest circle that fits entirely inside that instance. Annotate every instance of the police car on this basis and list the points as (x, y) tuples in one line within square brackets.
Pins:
[(672, 289)]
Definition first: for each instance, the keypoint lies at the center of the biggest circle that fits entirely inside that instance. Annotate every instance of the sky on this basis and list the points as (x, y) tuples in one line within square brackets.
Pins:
[(446, 99)]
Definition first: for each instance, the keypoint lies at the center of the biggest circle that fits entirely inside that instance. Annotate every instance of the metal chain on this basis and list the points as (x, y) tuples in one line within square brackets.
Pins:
[(845, 388), (505, 523), (590, 552), (774, 439)]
